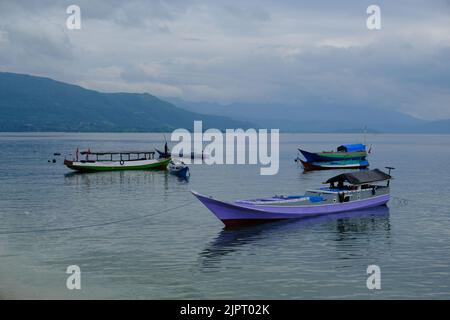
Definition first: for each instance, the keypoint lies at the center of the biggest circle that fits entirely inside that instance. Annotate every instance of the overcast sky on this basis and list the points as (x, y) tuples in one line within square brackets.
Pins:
[(240, 51)]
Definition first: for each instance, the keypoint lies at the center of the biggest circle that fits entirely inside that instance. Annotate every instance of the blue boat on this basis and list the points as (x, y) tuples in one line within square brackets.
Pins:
[(178, 168), (343, 152)]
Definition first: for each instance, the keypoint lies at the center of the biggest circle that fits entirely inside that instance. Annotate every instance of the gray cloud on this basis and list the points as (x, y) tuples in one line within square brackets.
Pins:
[(247, 51)]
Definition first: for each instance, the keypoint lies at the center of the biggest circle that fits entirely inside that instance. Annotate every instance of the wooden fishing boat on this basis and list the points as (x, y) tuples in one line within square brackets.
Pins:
[(178, 168), (331, 165), (112, 161), (346, 192), (343, 152)]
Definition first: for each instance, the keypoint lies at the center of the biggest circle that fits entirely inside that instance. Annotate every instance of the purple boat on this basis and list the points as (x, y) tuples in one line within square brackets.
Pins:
[(346, 192)]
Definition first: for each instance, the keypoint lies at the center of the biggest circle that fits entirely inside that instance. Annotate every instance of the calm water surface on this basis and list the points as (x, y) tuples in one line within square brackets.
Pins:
[(142, 235)]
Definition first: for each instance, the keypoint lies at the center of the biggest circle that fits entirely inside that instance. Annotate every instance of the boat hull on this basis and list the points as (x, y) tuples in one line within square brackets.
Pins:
[(97, 166), (232, 214), (333, 156), (352, 164), (183, 173)]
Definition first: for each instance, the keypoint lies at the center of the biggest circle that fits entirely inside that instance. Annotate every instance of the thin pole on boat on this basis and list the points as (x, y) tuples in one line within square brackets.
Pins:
[(390, 168), (365, 132), (389, 172), (166, 148)]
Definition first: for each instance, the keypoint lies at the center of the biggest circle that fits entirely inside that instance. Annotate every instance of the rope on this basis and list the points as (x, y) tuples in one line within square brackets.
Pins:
[(96, 225), (404, 202)]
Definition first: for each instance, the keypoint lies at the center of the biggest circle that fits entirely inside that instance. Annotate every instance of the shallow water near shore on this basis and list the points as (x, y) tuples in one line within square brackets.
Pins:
[(142, 235)]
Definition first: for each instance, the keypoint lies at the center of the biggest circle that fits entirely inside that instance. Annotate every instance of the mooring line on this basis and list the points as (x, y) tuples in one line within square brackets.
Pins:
[(97, 224), (404, 202)]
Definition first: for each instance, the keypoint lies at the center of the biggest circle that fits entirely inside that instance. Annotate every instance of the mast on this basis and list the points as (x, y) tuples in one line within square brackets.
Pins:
[(365, 132)]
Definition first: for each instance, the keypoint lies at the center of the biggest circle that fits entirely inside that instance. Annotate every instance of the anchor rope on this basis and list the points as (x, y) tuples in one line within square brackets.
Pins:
[(404, 201), (62, 229)]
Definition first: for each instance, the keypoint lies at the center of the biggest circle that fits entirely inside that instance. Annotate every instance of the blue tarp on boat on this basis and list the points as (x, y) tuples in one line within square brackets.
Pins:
[(352, 147)]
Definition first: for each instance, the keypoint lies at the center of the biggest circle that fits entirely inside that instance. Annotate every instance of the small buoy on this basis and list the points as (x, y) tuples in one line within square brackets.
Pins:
[(48, 161)]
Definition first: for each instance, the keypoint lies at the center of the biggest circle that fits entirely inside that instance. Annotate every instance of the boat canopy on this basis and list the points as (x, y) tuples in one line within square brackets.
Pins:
[(351, 147), (360, 177), (115, 152)]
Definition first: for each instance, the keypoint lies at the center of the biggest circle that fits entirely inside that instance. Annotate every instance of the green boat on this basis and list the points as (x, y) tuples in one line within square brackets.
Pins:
[(116, 161), (344, 152)]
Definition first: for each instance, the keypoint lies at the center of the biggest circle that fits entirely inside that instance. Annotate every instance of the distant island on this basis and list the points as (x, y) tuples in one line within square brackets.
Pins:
[(30, 103)]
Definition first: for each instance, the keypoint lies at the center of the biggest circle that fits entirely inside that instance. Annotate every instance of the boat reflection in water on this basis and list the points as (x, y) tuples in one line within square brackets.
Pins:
[(343, 225), (110, 178)]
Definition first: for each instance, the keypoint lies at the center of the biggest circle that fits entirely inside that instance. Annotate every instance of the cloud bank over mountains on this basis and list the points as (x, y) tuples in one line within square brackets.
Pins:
[(241, 52)]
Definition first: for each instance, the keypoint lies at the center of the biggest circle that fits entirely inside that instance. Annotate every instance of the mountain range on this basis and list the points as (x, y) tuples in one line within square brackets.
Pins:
[(316, 117), (31, 103)]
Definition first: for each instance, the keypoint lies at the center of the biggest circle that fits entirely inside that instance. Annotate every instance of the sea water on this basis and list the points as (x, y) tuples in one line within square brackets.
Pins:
[(142, 235)]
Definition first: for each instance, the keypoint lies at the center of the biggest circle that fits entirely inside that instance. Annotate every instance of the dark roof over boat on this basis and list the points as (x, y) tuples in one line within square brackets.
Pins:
[(352, 147), (115, 152), (361, 177)]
